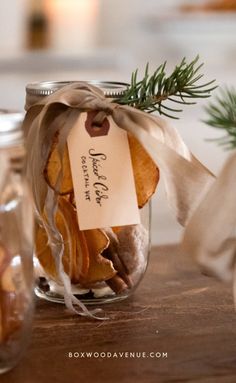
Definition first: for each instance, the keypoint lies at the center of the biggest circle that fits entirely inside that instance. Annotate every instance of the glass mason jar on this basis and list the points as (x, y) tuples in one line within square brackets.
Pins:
[(125, 250), (16, 245)]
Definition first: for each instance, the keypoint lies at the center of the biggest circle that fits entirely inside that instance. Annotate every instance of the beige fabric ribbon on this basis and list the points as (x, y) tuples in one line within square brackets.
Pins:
[(186, 179), (210, 234)]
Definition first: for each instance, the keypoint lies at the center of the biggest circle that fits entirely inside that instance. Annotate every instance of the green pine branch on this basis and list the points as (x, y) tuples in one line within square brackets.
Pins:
[(181, 87), (222, 115)]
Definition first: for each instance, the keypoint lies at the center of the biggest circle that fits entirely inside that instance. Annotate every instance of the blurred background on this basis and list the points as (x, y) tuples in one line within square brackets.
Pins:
[(107, 40)]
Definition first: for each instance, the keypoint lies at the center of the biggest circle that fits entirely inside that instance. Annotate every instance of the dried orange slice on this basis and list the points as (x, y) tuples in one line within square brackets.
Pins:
[(82, 259), (76, 257), (116, 229), (76, 260), (43, 251), (146, 173), (54, 166), (100, 268), (7, 283)]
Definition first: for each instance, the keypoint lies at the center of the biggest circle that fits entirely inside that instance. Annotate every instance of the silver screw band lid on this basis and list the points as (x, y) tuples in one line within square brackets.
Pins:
[(111, 89)]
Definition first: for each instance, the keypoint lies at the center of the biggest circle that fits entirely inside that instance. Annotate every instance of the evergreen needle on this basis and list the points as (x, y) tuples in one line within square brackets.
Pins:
[(151, 93), (222, 115)]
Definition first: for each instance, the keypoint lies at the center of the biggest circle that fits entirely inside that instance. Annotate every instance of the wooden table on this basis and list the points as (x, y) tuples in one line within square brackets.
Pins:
[(175, 310)]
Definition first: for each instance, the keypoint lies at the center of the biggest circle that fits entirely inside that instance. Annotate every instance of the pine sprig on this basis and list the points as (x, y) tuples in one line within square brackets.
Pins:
[(222, 115), (151, 93)]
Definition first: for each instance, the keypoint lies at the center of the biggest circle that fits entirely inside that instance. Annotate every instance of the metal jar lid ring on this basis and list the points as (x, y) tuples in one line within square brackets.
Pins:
[(111, 89)]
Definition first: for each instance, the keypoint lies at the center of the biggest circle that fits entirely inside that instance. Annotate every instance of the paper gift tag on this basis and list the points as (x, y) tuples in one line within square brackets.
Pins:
[(102, 174)]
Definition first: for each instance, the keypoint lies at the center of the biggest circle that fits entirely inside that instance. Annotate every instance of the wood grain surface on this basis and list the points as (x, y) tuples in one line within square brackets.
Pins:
[(175, 310)]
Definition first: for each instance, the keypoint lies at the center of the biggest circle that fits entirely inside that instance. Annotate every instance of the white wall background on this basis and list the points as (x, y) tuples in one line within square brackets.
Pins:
[(12, 26)]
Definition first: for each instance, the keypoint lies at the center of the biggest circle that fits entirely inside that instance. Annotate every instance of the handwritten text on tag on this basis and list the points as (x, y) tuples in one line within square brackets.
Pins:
[(102, 174)]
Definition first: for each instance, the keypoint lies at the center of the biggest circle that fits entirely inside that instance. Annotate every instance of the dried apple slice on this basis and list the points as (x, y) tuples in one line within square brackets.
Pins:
[(54, 166), (146, 173), (76, 257)]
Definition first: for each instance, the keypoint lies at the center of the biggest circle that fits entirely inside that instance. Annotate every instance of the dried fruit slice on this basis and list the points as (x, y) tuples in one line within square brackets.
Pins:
[(43, 251), (146, 174), (100, 268), (6, 271), (54, 166), (116, 229), (7, 283), (76, 257), (82, 259)]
